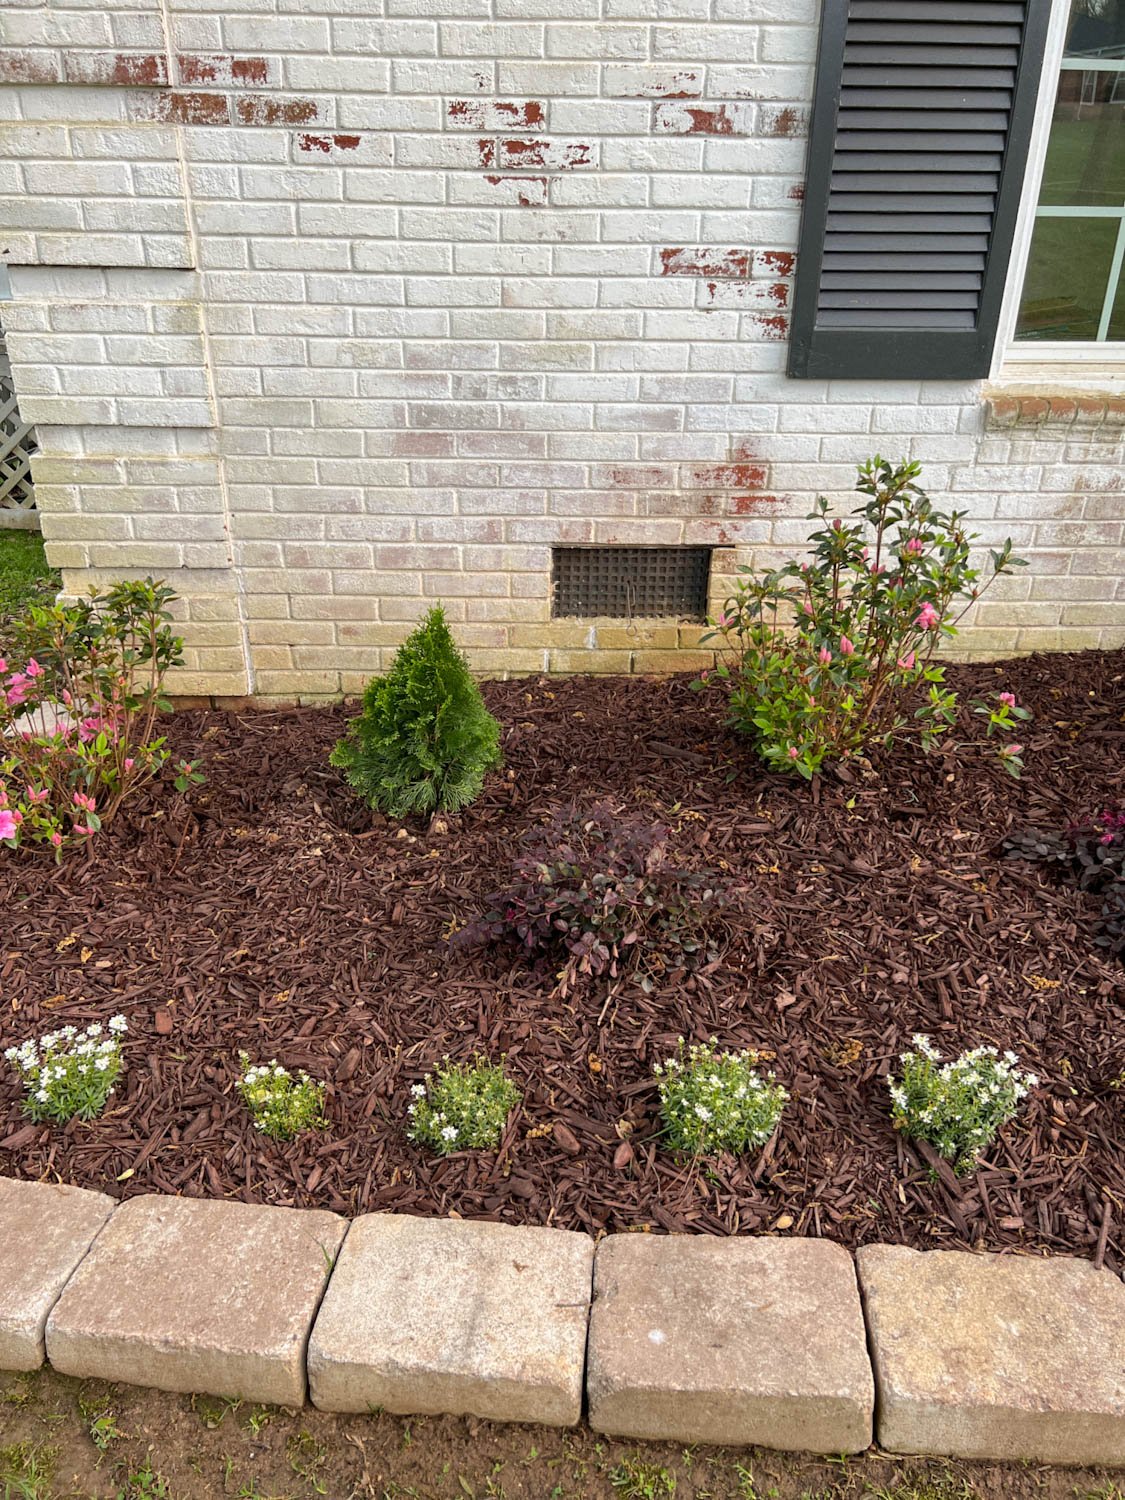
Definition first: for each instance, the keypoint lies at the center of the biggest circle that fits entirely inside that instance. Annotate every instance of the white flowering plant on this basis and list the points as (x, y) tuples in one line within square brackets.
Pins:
[(282, 1104), (70, 1074), (714, 1101), (465, 1107), (959, 1106)]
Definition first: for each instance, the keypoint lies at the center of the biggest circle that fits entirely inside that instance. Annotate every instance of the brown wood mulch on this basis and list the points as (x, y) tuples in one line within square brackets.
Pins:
[(269, 911)]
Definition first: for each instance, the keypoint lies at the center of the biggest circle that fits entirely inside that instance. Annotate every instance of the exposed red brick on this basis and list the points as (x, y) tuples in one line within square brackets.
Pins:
[(250, 70), (753, 505), (495, 114), (326, 143), (782, 119), (774, 326), (185, 109), (703, 119), (774, 262), (486, 150), (733, 476), (705, 260), (273, 109), (683, 83), (26, 66), (748, 293), (527, 192), (124, 69), (1033, 409), (797, 192), (565, 155)]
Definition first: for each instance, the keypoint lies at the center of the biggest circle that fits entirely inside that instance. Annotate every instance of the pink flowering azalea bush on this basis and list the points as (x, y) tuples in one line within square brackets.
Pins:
[(78, 714), (827, 657)]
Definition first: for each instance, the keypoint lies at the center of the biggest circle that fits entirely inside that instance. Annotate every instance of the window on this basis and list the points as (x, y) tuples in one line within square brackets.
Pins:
[(1074, 284)]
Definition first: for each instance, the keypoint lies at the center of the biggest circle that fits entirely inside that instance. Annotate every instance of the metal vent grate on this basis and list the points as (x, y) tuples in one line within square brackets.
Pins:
[(631, 582)]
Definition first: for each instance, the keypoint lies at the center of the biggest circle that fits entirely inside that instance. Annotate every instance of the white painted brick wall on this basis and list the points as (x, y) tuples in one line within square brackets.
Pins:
[(327, 312)]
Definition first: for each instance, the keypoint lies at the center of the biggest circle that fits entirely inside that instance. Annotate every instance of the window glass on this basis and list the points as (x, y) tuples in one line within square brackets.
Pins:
[(1073, 288)]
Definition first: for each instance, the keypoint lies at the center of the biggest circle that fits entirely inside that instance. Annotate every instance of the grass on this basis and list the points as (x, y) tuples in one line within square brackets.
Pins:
[(25, 1472), (634, 1479), (25, 578)]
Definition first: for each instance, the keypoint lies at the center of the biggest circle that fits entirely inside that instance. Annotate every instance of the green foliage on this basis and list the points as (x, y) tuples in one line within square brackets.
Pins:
[(78, 716), (465, 1108), (713, 1101), (957, 1107), (424, 739), (69, 1074), (829, 656), (25, 1471), (634, 1479), (25, 578), (282, 1105)]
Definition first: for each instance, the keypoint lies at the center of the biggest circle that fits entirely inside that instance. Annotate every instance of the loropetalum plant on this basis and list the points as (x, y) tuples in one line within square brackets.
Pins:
[(1092, 854), (70, 1074), (712, 1101), (78, 717), (829, 656), (465, 1107), (957, 1107), (598, 892), (424, 739), (281, 1103)]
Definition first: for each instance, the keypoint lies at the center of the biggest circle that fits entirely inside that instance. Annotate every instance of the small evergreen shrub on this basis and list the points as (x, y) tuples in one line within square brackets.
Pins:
[(959, 1106), (464, 1108), (713, 1101), (69, 1074), (424, 739), (596, 893), (282, 1105)]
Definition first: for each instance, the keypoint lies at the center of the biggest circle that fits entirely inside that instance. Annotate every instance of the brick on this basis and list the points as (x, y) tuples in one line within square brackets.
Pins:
[(1003, 1357), (439, 1315), (738, 1341), (45, 1230), (186, 1294)]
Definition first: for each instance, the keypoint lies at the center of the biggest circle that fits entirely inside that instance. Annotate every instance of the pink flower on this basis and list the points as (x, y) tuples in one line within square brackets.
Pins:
[(3, 665), (35, 797), (1011, 750), (33, 669), (8, 824), (928, 618), (915, 547), (824, 656), (806, 607), (83, 829), (794, 753), (846, 647), (1009, 699), (18, 685), (724, 620), (906, 663), (56, 839), (130, 762)]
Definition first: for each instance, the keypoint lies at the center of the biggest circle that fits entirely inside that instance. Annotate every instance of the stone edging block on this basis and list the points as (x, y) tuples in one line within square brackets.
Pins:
[(996, 1356), (733, 1341), (45, 1230), (186, 1294), (447, 1315)]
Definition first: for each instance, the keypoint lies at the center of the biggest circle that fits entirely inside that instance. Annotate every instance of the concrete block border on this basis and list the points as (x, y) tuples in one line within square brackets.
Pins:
[(776, 1342)]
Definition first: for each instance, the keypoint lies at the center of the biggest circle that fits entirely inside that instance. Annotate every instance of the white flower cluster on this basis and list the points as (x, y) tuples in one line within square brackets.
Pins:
[(69, 1072), (464, 1108), (958, 1106), (282, 1105), (715, 1101)]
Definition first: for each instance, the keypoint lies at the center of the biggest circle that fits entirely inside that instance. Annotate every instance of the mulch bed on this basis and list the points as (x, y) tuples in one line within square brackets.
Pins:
[(269, 911)]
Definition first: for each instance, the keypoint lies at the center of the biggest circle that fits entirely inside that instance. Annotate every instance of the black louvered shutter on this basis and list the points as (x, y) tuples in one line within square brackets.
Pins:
[(921, 120)]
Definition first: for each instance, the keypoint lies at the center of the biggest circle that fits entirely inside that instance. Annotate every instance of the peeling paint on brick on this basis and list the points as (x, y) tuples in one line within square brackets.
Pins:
[(486, 150), (733, 476), (272, 109), (705, 260), (18, 66), (494, 114), (326, 143), (774, 262), (753, 505), (123, 69), (222, 67), (704, 119), (782, 119), (565, 156), (774, 328), (183, 109), (525, 192), (677, 84)]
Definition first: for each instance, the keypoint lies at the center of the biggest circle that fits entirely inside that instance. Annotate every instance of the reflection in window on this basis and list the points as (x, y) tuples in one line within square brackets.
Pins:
[(1075, 287)]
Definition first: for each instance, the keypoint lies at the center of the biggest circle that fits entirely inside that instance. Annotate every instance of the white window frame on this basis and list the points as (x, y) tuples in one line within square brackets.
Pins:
[(1073, 362)]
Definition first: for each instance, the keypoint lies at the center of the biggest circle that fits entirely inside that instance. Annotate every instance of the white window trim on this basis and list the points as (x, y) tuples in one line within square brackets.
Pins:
[(1039, 362)]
